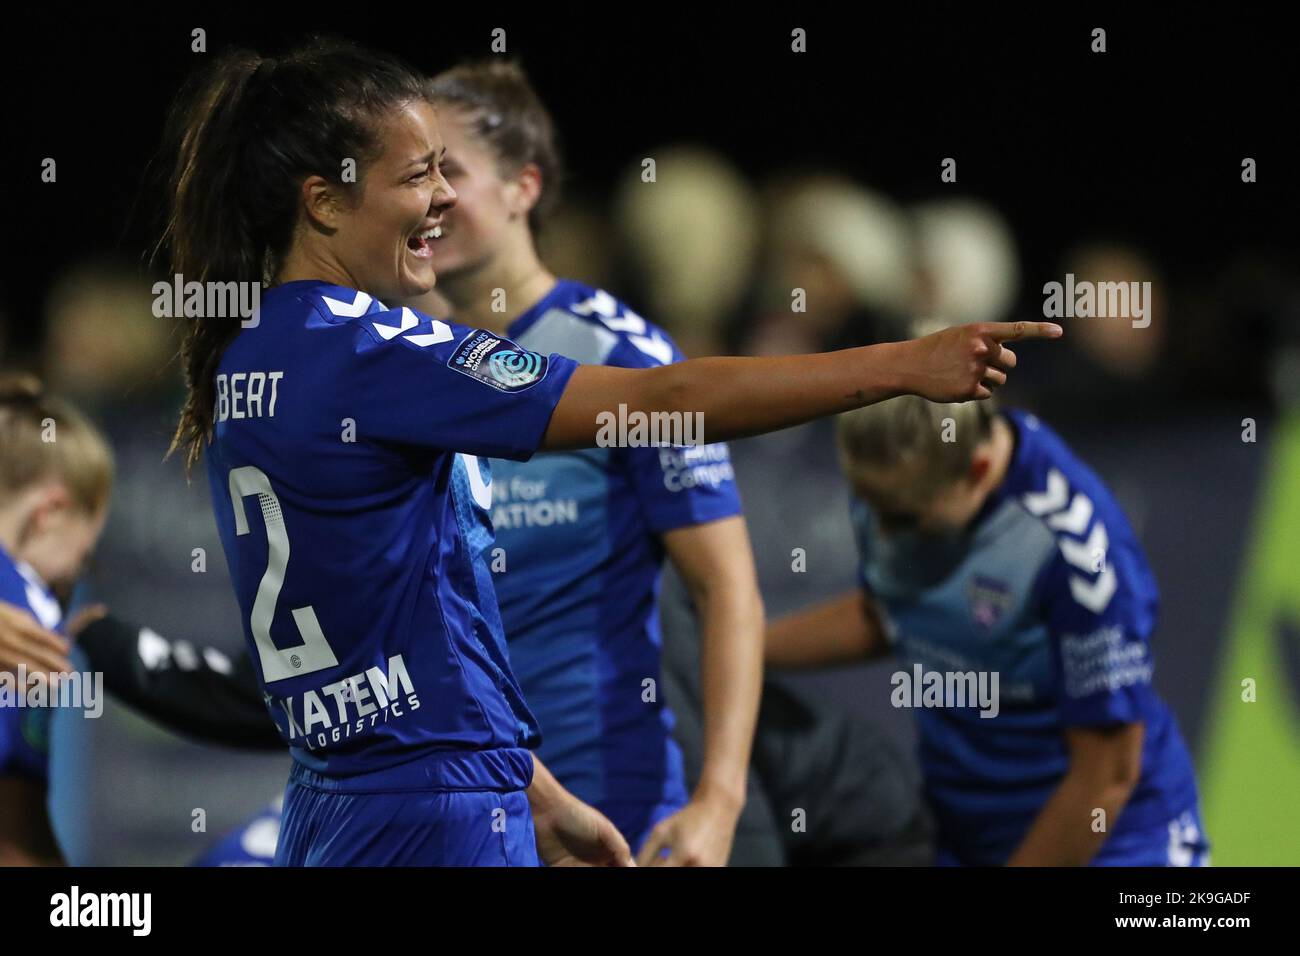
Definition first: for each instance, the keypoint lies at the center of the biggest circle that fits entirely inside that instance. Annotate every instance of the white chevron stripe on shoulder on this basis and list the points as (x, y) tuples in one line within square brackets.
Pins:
[(1087, 555), (349, 310), (409, 321), (1094, 595), (606, 308), (1077, 519), (630, 322), (441, 333), (656, 346), (602, 303), (1054, 498)]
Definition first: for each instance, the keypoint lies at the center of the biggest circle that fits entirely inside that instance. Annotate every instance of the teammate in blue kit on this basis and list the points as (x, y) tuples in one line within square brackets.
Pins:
[(338, 432), (994, 560), (583, 535), (56, 472)]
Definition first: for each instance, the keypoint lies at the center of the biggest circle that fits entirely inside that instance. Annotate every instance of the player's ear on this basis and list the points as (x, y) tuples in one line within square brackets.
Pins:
[(980, 463), (321, 202), (524, 190)]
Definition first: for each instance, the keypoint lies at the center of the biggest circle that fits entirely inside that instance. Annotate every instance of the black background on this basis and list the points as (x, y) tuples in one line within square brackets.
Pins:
[(1142, 143)]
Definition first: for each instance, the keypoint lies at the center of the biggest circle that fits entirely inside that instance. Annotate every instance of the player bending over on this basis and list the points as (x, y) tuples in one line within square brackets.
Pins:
[(993, 559)]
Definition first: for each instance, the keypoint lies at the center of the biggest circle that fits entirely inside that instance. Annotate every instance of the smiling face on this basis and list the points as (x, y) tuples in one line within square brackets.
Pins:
[(489, 206), (383, 240)]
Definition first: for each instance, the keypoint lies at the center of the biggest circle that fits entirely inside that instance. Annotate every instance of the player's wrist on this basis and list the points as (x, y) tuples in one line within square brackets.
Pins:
[(546, 795), (720, 795), (899, 367)]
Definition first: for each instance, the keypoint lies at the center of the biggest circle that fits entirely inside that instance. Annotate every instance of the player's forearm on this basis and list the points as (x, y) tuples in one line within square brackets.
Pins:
[(741, 397), (738, 397), (1069, 831), (731, 679), (845, 629), (734, 397)]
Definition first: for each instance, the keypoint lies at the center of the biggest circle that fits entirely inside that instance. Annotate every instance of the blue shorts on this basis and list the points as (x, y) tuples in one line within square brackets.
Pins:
[(405, 828)]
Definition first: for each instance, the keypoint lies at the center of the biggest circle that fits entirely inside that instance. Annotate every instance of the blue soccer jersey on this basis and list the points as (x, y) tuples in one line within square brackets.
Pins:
[(24, 731), (578, 580), (1050, 591), (352, 529)]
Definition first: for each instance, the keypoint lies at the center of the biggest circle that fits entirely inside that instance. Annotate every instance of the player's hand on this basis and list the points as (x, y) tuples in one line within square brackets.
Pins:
[(571, 833), (24, 642), (699, 834), (967, 361)]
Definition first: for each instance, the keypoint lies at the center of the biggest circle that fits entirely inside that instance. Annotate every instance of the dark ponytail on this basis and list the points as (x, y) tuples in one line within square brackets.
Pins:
[(246, 133)]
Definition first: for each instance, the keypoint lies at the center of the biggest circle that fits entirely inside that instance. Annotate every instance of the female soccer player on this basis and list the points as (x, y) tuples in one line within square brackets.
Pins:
[(1003, 573), (583, 534), (56, 472), (353, 529)]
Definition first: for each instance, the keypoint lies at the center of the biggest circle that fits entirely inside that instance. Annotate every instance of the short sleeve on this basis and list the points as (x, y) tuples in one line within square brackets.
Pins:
[(406, 377), (1100, 616), (680, 487), (677, 486)]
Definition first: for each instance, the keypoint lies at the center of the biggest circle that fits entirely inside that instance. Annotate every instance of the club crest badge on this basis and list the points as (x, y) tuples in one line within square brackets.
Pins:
[(989, 599)]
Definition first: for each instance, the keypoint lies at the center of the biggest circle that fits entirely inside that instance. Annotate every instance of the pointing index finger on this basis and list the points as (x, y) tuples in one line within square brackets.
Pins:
[(1021, 331)]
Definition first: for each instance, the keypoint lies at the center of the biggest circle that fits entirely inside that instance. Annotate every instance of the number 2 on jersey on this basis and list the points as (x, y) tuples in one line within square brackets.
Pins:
[(314, 653)]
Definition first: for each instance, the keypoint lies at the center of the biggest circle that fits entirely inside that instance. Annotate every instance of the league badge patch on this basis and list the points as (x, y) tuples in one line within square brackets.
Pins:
[(498, 362)]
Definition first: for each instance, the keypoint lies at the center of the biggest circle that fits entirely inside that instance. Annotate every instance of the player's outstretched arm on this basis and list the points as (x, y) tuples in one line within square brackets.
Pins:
[(569, 832), (739, 397), (844, 630)]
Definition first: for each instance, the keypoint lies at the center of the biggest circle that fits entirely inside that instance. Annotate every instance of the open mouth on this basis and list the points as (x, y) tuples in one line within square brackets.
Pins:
[(421, 242)]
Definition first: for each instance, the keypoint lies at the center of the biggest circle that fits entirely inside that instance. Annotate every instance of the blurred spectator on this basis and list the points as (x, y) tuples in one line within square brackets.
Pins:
[(1108, 367), (965, 265), (690, 236), (1126, 345), (102, 341), (848, 250)]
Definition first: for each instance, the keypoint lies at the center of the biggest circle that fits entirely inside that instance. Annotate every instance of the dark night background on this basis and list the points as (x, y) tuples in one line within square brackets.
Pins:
[(1141, 143)]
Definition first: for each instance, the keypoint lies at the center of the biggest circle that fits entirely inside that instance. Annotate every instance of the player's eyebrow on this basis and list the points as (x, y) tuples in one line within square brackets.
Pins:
[(428, 157)]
